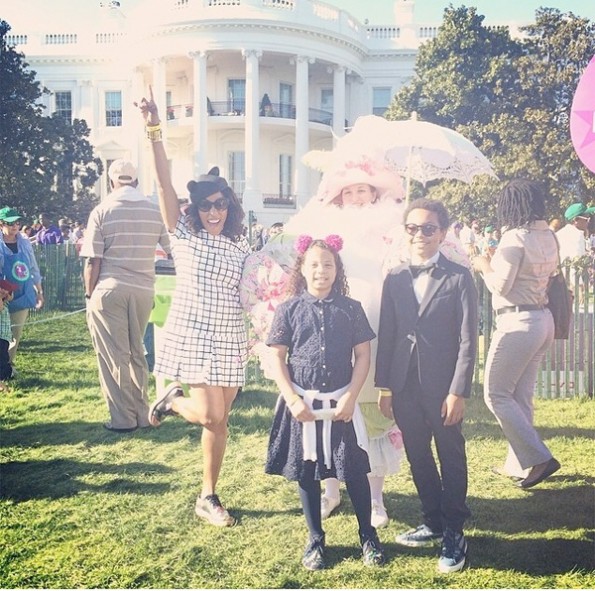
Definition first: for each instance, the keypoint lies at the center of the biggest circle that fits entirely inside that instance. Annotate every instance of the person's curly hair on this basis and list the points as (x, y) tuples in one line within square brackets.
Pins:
[(520, 203), (297, 283), (207, 185)]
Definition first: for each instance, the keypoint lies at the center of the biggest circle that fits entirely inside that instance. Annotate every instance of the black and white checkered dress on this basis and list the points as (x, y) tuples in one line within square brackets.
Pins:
[(205, 339)]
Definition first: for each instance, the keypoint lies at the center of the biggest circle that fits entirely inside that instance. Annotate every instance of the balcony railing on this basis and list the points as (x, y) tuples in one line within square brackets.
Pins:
[(237, 107), (276, 200)]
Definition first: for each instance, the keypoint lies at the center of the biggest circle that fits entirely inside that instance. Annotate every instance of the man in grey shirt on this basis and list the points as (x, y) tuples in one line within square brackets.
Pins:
[(122, 234)]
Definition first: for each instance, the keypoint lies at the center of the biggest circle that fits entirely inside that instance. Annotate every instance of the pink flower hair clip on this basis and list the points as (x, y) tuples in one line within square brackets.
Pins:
[(302, 243), (333, 241)]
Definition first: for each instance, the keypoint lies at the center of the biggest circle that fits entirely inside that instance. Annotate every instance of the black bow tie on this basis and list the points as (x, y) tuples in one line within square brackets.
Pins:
[(417, 270)]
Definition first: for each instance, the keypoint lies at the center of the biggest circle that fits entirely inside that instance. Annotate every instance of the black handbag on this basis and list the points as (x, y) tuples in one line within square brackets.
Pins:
[(559, 301)]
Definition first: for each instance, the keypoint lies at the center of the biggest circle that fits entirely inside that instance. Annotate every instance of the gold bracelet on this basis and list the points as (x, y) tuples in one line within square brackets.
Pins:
[(154, 127), (384, 393), (155, 135)]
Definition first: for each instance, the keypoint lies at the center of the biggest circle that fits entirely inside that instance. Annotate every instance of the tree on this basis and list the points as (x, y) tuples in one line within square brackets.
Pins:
[(510, 97), (46, 163)]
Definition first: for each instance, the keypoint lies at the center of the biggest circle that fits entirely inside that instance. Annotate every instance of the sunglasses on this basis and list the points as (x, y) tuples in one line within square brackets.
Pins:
[(17, 223), (426, 229), (220, 204)]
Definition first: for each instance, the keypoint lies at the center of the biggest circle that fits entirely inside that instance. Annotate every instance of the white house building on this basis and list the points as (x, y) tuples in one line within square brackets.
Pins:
[(248, 85)]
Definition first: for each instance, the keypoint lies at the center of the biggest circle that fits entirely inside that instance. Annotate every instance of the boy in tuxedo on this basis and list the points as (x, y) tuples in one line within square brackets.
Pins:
[(427, 344)]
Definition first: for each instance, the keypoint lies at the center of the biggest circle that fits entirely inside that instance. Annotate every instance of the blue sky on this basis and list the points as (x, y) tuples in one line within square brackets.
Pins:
[(28, 15)]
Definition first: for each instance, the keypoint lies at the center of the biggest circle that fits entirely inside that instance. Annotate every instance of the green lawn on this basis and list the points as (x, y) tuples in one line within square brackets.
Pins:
[(81, 507)]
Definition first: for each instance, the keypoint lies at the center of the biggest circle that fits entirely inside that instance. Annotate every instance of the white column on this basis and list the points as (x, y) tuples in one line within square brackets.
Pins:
[(252, 197), (301, 130), (137, 127), (199, 113), (338, 101), (85, 103), (159, 90)]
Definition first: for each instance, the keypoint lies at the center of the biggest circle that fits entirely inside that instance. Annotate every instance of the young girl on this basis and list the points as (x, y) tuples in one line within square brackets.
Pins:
[(318, 430)]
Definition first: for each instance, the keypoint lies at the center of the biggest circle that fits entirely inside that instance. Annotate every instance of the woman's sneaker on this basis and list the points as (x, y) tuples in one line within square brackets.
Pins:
[(162, 407), (420, 536), (210, 509), (314, 555), (453, 553), (372, 552), (328, 505)]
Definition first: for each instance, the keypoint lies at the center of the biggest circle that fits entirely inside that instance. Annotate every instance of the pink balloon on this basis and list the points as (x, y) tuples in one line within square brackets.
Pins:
[(582, 117)]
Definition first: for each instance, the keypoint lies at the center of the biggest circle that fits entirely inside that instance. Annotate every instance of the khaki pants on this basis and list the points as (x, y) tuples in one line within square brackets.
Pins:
[(17, 319), (117, 319)]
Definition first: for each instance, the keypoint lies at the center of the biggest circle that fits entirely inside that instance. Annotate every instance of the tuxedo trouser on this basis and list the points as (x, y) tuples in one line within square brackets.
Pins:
[(443, 498), (117, 319), (519, 343)]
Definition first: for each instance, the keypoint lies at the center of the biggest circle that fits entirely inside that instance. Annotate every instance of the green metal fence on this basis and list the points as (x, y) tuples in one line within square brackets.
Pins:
[(567, 370), (61, 271)]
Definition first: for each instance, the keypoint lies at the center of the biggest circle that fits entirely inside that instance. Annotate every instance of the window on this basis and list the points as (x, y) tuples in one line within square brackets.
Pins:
[(64, 104), (236, 90), (113, 109), (381, 98), (285, 175), (170, 110), (286, 100), (326, 99), (237, 172)]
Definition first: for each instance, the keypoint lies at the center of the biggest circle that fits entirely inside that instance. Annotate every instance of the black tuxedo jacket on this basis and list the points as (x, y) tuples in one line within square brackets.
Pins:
[(441, 331)]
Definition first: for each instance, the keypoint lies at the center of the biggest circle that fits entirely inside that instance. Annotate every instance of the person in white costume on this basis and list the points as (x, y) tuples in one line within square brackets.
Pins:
[(361, 200)]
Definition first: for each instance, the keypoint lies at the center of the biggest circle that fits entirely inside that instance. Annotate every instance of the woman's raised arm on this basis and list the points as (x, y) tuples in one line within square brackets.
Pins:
[(168, 199)]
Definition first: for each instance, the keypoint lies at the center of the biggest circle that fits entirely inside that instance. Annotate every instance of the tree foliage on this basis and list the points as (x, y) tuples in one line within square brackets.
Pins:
[(510, 97), (46, 163)]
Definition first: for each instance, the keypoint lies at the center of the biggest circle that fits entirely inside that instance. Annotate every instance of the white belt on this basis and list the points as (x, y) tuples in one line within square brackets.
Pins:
[(325, 414)]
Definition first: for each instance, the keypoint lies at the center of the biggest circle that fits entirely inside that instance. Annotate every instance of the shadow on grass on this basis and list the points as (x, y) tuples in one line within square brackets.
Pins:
[(531, 556), (54, 479), (541, 510), (519, 525), (91, 433)]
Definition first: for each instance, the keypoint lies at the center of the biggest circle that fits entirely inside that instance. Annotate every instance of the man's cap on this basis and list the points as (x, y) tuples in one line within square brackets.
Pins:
[(8, 285), (578, 209), (122, 171), (10, 215)]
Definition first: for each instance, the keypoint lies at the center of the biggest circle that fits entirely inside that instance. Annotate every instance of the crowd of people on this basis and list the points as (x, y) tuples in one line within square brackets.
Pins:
[(366, 312)]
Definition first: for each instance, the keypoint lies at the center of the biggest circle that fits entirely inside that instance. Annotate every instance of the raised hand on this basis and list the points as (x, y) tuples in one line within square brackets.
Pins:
[(149, 109)]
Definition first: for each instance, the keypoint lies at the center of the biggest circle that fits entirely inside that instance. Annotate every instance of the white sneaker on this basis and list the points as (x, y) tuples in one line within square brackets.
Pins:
[(210, 509), (379, 515), (328, 505)]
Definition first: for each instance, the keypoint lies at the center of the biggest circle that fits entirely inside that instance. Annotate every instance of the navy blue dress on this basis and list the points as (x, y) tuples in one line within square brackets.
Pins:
[(320, 336)]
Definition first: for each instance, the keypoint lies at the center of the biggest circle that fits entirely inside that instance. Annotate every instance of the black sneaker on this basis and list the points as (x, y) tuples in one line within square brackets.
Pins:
[(453, 553), (314, 555), (161, 408), (372, 552), (422, 535)]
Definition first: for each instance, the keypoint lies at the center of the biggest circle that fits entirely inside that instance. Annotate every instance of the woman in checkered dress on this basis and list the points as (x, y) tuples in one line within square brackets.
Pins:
[(205, 343)]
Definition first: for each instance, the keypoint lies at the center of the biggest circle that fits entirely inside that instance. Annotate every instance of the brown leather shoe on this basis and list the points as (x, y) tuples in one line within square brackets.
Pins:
[(539, 473)]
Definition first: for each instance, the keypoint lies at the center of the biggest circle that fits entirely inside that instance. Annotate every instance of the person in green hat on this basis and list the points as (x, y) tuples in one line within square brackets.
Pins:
[(572, 239), (18, 265)]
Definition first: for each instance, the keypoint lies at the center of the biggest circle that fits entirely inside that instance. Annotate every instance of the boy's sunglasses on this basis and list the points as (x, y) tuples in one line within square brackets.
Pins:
[(426, 229), (219, 204)]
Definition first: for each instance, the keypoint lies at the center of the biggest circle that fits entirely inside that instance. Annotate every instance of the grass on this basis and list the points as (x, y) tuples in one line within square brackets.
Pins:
[(84, 508)]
